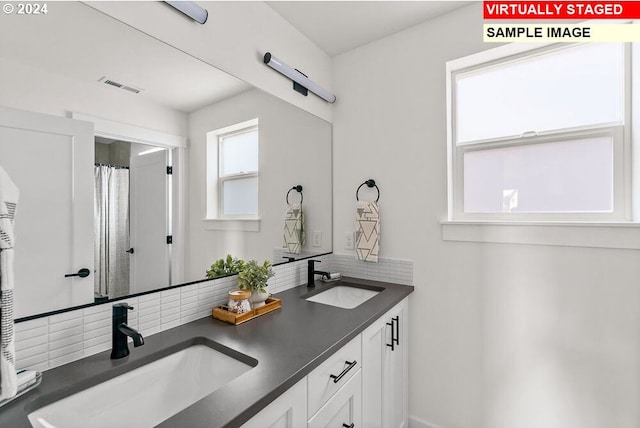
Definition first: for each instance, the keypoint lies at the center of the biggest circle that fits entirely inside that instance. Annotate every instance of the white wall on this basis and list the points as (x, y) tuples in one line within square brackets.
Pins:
[(295, 148), (502, 336), (234, 39)]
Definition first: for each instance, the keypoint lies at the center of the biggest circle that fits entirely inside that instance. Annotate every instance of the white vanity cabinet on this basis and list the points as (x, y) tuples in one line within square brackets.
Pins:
[(362, 385), (287, 411), (385, 370)]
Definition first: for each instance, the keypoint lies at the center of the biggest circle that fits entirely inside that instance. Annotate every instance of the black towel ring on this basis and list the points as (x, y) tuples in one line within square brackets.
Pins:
[(370, 183), (297, 188)]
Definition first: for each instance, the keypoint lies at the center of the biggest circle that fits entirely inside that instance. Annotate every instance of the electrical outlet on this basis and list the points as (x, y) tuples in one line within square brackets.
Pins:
[(348, 240), (317, 239)]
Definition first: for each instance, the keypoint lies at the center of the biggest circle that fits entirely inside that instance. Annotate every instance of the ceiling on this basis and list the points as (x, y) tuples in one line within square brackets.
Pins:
[(86, 46), (339, 26)]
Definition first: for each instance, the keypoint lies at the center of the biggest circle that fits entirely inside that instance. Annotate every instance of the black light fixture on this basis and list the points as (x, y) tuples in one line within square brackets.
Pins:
[(300, 82)]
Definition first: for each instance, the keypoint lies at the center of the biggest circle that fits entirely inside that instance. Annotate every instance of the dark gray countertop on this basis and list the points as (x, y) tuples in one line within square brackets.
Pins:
[(288, 344)]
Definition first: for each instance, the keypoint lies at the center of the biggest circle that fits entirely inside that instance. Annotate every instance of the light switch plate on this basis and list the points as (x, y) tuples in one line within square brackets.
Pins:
[(317, 238), (348, 240)]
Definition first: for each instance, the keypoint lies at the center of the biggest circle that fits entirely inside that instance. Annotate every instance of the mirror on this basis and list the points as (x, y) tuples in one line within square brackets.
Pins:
[(98, 94)]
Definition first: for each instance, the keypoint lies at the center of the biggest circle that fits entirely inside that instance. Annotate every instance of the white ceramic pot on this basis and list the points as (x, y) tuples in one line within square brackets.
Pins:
[(257, 298)]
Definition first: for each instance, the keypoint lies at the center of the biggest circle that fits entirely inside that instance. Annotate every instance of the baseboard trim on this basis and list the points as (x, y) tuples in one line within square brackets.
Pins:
[(419, 423)]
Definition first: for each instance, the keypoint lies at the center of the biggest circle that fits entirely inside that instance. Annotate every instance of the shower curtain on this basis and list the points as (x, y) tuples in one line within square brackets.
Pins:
[(111, 230)]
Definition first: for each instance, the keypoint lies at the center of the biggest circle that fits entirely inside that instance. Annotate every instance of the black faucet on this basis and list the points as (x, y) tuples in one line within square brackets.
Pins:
[(120, 330), (311, 272)]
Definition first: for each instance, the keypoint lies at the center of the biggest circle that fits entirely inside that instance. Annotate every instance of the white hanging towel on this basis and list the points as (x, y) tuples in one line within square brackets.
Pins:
[(367, 231), (8, 204), (294, 234)]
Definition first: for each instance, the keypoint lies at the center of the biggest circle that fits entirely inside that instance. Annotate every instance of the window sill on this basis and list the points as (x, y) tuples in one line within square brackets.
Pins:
[(236, 224), (569, 234)]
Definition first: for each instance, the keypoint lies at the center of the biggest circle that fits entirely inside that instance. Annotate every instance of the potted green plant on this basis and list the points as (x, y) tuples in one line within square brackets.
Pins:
[(227, 266), (254, 277)]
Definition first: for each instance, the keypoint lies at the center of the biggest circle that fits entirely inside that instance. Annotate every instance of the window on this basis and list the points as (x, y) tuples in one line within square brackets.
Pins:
[(238, 177), (540, 134), (232, 172)]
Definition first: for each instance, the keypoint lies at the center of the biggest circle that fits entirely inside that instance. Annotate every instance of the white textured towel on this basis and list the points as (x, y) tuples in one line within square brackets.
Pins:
[(8, 204), (294, 234), (367, 231)]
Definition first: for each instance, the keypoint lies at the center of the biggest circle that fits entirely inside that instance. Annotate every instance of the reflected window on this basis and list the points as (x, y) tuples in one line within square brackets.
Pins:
[(232, 171)]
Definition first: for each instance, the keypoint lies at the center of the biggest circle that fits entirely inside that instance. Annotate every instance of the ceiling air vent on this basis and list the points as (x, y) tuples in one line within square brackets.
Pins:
[(130, 89), (112, 83), (119, 85)]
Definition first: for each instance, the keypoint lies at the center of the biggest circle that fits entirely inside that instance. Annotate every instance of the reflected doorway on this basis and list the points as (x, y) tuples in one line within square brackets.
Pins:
[(132, 217)]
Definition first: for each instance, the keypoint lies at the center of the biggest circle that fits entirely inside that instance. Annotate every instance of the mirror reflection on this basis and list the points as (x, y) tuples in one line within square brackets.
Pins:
[(145, 165)]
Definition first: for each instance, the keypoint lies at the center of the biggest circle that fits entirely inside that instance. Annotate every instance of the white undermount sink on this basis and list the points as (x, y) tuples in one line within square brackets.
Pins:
[(145, 396), (343, 296)]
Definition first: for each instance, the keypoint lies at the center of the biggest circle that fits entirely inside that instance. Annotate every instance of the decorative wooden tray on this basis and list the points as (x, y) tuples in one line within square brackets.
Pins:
[(271, 304)]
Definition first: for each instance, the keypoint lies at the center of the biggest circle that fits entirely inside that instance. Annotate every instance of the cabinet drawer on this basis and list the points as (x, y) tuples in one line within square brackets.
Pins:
[(343, 409), (331, 375)]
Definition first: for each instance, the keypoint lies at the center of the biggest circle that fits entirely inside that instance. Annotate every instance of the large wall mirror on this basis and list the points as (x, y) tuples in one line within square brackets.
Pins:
[(143, 164)]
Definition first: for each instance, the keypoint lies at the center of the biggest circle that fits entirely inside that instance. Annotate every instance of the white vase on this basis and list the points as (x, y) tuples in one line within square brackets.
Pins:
[(257, 298)]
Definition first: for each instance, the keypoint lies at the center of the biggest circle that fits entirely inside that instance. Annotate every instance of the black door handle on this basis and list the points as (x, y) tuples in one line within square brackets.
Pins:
[(396, 321), (130, 251), (82, 273), (393, 336), (348, 426), (351, 364)]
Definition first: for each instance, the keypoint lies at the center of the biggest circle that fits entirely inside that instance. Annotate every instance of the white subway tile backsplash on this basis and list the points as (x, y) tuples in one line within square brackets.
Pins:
[(103, 339), (65, 349), (51, 341), (32, 333), (58, 335), (64, 325), (65, 345), (89, 334), (100, 347), (37, 359), (24, 344), (166, 325), (64, 359), (35, 350), (148, 297), (97, 317), (32, 324), (389, 270)]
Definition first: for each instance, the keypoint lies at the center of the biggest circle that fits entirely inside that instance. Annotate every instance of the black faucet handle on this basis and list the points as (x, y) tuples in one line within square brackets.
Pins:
[(123, 305), (120, 310)]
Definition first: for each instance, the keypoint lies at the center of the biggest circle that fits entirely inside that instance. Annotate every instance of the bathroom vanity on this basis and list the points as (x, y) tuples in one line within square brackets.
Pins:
[(307, 364)]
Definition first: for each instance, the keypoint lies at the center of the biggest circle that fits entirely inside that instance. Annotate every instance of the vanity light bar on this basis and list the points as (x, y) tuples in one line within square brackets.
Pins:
[(191, 9), (298, 77)]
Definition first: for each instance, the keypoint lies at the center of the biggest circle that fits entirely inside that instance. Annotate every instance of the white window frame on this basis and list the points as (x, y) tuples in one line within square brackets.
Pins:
[(222, 179), (620, 132), (212, 190)]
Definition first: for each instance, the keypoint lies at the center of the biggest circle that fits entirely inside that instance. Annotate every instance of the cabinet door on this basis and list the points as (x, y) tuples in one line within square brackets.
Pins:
[(344, 409), (287, 411), (396, 370), (385, 370), (374, 340)]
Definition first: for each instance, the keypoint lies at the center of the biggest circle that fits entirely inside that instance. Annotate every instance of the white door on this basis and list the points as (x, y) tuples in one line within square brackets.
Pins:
[(50, 159), (149, 222)]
